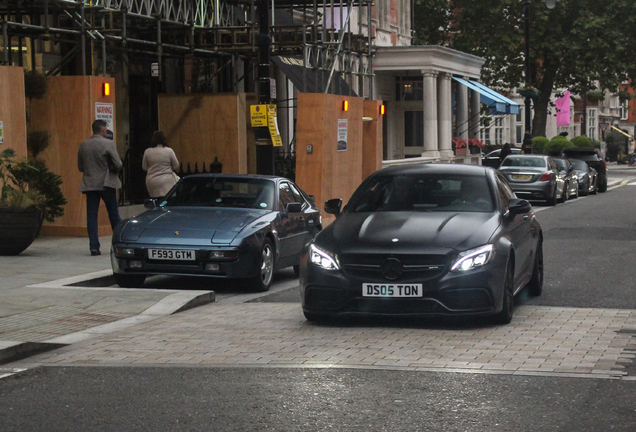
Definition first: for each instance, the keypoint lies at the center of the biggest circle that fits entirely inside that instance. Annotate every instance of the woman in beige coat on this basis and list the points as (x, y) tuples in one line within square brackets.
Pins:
[(159, 161)]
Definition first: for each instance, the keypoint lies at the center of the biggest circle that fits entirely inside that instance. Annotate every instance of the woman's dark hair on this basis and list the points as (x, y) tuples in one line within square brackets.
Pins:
[(158, 138)]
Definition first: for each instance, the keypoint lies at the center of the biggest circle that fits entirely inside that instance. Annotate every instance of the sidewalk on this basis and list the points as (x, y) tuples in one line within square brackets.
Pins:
[(55, 293)]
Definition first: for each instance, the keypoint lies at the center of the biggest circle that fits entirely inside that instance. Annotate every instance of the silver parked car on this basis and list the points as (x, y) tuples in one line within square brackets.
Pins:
[(532, 177), (568, 176), (586, 177)]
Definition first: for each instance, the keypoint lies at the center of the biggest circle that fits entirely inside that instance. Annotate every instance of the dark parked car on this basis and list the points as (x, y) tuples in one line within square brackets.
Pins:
[(568, 177), (593, 158), (217, 226), (586, 176), (424, 240), (492, 159), (533, 177)]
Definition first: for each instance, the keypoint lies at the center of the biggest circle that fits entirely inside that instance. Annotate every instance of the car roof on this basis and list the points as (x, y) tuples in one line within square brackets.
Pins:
[(245, 176), (434, 168), (525, 156)]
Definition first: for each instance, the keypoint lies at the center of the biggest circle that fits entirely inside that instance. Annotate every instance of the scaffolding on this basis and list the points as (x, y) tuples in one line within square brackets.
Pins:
[(331, 36)]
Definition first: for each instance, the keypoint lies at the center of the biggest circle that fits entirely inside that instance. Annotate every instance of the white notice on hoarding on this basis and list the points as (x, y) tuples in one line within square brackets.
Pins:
[(342, 134)]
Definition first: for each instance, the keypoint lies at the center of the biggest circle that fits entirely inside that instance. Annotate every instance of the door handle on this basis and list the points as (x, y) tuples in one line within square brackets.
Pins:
[(526, 218)]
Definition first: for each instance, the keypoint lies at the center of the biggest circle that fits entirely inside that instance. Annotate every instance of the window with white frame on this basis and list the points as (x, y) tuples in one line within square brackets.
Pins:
[(591, 124), (624, 110)]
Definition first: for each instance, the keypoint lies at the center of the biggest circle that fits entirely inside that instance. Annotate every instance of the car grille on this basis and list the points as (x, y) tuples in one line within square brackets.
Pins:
[(415, 267)]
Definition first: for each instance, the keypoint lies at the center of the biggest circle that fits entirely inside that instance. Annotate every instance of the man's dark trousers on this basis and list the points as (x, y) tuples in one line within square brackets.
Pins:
[(109, 196)]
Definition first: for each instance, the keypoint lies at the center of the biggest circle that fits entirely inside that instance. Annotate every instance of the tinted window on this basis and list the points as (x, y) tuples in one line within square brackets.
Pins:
[(223, 192), (579, 165), (504, 190), (560, 163), (285, 196), (423, 192)]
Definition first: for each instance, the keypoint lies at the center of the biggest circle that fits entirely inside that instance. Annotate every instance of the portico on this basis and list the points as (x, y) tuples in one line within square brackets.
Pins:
[(426, 107)]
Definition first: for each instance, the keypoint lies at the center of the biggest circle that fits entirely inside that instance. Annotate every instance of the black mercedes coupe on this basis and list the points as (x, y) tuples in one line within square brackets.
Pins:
[(424, 240), (217, 226)]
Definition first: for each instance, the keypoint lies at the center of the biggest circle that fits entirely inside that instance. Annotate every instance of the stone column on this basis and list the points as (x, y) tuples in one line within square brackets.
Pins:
[(462, 123), (474, 115), (445, 116), (430, 114)]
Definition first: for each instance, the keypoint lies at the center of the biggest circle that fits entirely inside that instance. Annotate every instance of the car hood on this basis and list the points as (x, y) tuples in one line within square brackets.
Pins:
[(190, 225), (441, 231)]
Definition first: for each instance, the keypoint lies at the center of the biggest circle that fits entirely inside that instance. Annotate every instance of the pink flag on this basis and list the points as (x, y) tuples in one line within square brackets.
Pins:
[(563, 109)]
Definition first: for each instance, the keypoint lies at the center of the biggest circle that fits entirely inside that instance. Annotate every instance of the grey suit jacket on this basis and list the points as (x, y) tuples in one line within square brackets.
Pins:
[(92, 160)]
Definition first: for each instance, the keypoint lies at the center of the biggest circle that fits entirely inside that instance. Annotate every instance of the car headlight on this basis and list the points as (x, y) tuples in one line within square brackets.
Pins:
[(473, 258), (322, 259)]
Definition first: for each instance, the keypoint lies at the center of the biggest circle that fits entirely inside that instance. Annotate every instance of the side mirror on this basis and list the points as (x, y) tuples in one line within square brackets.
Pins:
[(519, 206), (293, 207), (332, 206), (150, 204)]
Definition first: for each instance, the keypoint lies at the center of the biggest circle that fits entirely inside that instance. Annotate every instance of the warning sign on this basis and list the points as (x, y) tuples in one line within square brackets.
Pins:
[(106, 111), (272, 123), (258, 115)]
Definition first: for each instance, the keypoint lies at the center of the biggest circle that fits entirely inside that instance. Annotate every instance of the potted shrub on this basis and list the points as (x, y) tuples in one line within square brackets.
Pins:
[(30, 194), (19, 207)]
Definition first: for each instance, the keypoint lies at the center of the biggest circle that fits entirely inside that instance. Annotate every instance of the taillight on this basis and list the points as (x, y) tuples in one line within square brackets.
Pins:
[(545, 177)]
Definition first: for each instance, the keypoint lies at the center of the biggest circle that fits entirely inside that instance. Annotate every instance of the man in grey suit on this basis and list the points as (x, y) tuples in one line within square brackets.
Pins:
[(100, 164)]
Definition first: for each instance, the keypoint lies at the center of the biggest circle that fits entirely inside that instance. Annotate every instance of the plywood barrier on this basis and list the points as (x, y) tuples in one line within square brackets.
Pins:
[(202, 126), (330, 171), (66, 113), (12, 110)]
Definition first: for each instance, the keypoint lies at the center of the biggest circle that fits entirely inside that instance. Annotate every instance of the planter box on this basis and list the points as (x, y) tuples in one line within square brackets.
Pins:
[(460, 151), (18, 229)]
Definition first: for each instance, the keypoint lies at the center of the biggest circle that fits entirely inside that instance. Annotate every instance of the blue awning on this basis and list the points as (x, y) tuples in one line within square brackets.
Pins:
[(498, 103)]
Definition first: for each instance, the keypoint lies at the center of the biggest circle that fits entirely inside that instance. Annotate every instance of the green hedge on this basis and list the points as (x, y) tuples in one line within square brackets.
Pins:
[(556, 145), (582, 141), (538, 144)]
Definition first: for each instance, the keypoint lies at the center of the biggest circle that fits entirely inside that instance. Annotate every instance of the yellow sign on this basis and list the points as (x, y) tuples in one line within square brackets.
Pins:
[(258, 114), (272, 123)]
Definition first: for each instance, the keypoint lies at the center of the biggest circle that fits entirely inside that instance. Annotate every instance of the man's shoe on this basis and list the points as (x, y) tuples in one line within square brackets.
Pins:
[(95, 252)]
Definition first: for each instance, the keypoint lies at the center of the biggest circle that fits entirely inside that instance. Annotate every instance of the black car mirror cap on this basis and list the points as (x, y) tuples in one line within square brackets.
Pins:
[(293, 207), (150, 204), (333, 206), (519, 206)]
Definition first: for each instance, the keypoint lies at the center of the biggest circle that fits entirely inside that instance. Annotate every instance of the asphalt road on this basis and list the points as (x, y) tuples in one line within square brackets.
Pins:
[(589, 255), (289, 400)]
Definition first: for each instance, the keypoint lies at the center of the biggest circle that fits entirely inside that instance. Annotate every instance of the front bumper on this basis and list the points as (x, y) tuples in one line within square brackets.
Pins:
[(245, 265), (332, 293)]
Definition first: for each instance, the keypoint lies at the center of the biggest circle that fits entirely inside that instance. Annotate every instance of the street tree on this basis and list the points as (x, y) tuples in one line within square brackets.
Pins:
[(573, 46)]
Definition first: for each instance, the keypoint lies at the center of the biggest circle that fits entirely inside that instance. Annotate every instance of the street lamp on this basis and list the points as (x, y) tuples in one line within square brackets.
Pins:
[(527, 137)]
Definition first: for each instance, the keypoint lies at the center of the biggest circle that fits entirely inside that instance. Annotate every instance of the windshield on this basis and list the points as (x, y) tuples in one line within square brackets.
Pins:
[(423, 192), (560, 163), (223, 192), (532, 162)]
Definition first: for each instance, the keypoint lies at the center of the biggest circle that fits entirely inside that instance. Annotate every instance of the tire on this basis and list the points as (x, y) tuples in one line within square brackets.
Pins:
[(312, 317), (602, 187), (535, 286), (552, 201), (263, 281), (586, 189), (129, 281), (508, 303)]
